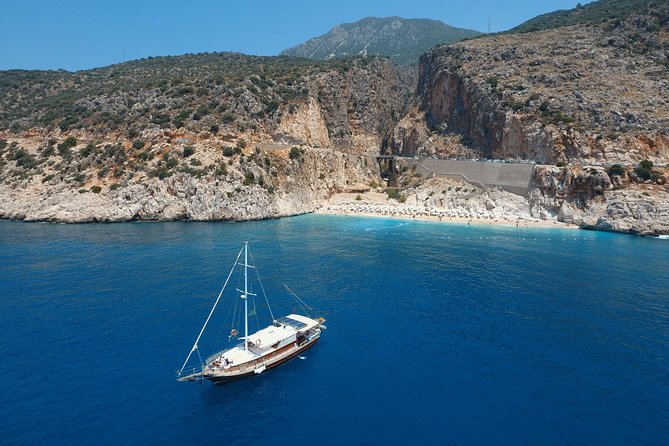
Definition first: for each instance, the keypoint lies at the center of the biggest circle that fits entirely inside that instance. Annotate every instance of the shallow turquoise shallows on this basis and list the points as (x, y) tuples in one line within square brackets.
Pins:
[(437, 334)]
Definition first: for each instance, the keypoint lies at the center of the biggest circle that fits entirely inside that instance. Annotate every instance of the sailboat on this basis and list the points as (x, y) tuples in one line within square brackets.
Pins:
[(284, 339)]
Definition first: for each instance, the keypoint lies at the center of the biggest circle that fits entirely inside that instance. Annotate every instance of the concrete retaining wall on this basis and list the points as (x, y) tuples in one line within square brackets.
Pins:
[(513, 178)]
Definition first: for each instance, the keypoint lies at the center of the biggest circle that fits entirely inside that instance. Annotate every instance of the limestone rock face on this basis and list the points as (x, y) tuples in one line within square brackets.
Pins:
[(360, 107), (301, 184), (577, 94), (587, 197), (307, 125)]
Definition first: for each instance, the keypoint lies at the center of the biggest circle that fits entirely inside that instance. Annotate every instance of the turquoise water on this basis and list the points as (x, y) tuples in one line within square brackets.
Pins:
[(437, 333)]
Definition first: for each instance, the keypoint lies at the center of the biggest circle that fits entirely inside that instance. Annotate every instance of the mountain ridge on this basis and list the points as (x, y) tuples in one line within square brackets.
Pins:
[(596, 12), (401, 40)]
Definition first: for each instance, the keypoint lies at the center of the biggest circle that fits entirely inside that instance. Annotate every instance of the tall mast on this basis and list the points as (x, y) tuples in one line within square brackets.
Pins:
[(246, 296)]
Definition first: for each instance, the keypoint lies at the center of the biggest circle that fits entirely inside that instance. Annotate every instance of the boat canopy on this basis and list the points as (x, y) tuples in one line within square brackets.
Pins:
[(269, 336), (297, 321)]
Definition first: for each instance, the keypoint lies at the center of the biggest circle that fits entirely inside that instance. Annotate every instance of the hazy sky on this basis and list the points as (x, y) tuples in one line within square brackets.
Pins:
[(80, 34)]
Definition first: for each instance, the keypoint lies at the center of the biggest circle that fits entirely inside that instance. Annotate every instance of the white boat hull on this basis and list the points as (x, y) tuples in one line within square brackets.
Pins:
[(252, 368)]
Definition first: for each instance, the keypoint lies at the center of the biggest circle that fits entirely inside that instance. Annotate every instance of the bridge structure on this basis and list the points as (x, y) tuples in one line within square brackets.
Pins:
[(388, 166)]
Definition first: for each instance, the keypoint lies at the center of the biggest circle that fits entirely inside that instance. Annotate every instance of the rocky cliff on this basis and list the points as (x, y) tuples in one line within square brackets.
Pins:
[(349, 102), (593, 198), (202, 137), (252, 184), (577, 94)]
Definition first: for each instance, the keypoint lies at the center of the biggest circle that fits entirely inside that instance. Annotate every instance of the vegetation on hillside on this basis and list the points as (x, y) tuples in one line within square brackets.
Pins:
[(597, 12), (202, 92)]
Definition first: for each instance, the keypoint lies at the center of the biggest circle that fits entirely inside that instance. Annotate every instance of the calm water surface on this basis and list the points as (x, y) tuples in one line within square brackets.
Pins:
[(438, 334)]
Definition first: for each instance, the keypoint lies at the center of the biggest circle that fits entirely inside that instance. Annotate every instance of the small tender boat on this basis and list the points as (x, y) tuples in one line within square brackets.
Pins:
[(286, 338)]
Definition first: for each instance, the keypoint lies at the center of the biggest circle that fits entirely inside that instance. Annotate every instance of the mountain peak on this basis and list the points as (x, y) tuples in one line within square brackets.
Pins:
[(401, 40)]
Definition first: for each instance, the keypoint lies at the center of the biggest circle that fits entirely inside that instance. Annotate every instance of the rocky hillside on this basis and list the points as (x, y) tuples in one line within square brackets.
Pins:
[(212, 136), (402, 40), (578, 94), (600, 11), (350, 103)]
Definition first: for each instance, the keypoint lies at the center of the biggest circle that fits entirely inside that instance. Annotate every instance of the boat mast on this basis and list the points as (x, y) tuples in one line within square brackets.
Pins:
[(246, 296), (195, 346)]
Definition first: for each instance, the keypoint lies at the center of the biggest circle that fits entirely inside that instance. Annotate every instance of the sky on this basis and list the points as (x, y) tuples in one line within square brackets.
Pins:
[(81, 34)]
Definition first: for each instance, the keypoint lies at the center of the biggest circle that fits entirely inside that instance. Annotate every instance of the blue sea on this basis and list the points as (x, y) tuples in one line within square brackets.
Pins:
[(437, 334)]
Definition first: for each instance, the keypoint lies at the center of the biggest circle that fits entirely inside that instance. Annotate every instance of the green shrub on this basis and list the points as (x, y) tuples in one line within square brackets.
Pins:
[(96, 189), (161, 172), (87, 151), (228, 118), (561, 164), (221, 170), (23, 159), (544, 107), (145, 155), (69, 142), (249, 179), (188, 151), (138, 144), (358, 198), (643, 173), (64, 149), (616, 169), (295, 153), (48, 151), (160, 118), (114, 186), (646, 164)]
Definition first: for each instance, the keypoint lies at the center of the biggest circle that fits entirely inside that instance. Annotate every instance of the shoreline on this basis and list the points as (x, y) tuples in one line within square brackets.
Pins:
[(474, 221)]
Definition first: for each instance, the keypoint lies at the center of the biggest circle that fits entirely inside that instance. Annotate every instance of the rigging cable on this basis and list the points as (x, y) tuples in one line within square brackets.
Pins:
[(262, 288), (299, 301), (210, 313)]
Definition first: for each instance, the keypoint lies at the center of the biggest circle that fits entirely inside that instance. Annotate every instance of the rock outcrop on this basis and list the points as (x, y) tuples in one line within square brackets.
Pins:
[(588, 197), (297, 186)]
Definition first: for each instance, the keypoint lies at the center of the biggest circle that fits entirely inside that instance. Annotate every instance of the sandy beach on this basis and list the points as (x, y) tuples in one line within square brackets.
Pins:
[(377, 205)]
